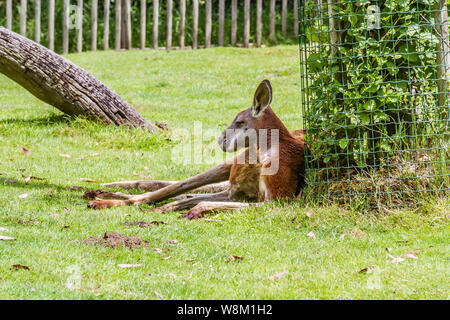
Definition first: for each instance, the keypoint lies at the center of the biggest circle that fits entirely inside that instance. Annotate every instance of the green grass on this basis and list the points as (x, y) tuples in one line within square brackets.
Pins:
[(180, 88)]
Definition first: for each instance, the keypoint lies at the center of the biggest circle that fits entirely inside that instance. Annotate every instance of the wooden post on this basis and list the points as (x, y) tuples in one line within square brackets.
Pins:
[(155, 23), (295, 18), (94, 24), (106, 28), (233, 22), (182, 22), (66, 27), (169, 25), (341, 76), (334, 37), (79, 26), (272, 20), (23, 17), (126, 24), (51, 24), (283, 16), (208, 23), (9, 14), (195, 24), (443, 53), (143, 24), (259, 22), (37, 21), (246, 22), (221, 21), (118, 26)]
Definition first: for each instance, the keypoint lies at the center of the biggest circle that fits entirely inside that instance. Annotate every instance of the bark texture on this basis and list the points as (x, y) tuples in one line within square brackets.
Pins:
[(62, 84)]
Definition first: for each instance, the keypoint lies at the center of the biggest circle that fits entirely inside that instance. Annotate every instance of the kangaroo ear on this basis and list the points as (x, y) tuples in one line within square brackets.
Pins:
[(262, 99)]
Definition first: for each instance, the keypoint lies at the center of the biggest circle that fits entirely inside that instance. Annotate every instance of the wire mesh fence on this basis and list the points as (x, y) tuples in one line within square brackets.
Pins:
[(375, 94)]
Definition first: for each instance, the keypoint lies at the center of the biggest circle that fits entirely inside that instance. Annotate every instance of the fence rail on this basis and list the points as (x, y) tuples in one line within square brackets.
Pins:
[(151, 16)]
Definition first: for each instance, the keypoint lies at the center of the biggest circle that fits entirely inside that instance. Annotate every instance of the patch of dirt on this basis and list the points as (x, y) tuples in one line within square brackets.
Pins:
[(114, 239)]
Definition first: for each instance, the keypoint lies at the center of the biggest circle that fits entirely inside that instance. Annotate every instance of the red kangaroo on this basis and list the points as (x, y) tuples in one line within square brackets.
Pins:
[(277, 170)]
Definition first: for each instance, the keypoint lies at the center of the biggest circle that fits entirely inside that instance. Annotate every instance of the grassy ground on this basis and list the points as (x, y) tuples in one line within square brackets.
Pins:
[(180, 88)]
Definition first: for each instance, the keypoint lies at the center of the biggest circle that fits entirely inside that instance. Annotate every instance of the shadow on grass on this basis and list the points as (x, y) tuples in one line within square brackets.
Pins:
[(51, 120), (55, 193)]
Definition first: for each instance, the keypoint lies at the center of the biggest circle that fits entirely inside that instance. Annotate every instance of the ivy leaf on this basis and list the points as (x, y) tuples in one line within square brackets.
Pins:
[(343, 143)]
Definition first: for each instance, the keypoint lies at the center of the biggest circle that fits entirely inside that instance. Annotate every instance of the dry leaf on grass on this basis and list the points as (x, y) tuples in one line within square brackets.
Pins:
[(277, 275), (409, 256), (30, 177), (142, 175), (27, 152), (233, 257), (309, 214), (19, 266), (64, 155), (172, 241), (367, 269), (395, 260), (75, 188), (5, 238), (311, 234), (4, 229), (129, 265), (415, 251), (88, 180), (23, 196), (159, 294)]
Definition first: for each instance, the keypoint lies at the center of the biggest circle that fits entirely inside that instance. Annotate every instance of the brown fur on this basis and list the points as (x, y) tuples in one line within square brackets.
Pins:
[(288, 181)]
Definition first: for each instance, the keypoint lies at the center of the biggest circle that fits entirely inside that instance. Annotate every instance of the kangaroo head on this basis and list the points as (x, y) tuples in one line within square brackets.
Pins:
[(245, 127)]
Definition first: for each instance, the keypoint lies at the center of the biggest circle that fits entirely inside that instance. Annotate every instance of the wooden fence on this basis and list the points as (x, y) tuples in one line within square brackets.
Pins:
[(73, 19)]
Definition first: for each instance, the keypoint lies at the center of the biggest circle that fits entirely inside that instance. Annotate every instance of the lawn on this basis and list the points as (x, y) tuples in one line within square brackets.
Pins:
[(280, 251)]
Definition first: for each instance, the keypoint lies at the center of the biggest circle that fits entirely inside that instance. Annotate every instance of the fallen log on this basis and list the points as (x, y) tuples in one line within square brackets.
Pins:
[(60, 83)]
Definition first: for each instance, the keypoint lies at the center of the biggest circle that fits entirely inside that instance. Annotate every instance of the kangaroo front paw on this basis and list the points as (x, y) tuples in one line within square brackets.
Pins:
[(104, 204), (192, 214)]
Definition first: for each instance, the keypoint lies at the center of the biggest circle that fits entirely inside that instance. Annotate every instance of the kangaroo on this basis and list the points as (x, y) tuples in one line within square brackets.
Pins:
[(249, 181)]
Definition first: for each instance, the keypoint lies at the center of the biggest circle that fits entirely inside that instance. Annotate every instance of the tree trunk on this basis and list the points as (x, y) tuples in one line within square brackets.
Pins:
[(60, 83)]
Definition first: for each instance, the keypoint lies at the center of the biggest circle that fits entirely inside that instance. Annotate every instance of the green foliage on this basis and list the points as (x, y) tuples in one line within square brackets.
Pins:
[(376, 89)]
